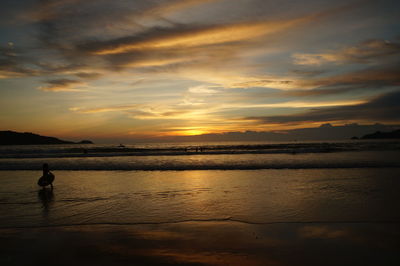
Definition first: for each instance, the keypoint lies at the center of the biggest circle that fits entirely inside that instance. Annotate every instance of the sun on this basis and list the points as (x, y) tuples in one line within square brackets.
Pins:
[(192, 132), (189, 131)]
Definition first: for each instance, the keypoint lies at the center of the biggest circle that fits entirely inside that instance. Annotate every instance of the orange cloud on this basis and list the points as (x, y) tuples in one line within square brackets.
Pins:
[(209, 35), (103, 109)]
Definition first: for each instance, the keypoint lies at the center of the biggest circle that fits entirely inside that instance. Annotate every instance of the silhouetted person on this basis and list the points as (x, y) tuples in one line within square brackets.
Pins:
[(47, 177)]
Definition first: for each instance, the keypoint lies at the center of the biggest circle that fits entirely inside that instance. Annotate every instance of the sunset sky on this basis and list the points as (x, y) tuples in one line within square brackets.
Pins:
[(140, 68)]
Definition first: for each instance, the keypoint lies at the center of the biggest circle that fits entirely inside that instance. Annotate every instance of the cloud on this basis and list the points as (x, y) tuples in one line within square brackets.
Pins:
[(364, 52), (73, 33), (139, 9), (173, 6), (292, 104), (10, 63), (370, 79), (201, 113), (265, 83), (203, 89), (367, 78), (384, 108), (309, 73), (318, 92), (145, 111), (58, 20), (18, 62), (185, 36), (57, 85), (88, 75), (104, 109), (160, 115)]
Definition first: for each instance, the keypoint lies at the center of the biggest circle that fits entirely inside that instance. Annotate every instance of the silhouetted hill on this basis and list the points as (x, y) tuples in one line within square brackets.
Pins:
[(17, 138), (383, 135)]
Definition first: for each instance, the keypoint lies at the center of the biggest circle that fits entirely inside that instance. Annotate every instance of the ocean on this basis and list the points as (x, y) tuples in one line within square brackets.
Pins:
[(204, 156), (316, 199)]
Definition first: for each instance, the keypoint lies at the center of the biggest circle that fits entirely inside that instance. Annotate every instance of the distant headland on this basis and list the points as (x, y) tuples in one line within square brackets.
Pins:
[(26, 138), (383, 135)]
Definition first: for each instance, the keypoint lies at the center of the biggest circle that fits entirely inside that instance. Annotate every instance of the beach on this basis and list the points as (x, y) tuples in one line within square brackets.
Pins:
[(203, 243), (316, 210), (253, 217)]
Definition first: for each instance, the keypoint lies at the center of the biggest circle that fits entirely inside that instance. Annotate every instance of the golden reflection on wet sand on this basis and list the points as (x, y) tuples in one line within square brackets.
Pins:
[(263, 217)]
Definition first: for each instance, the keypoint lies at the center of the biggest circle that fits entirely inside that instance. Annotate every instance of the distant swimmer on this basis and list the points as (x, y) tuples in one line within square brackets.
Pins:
[(47, 177)]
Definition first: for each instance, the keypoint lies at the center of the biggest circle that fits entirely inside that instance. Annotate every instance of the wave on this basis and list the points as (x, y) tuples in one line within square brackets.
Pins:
[(238, 156), (213, 162), (84, 151)]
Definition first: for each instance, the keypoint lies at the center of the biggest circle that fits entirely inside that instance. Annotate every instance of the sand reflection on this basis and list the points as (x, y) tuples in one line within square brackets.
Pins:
[(46, 197)]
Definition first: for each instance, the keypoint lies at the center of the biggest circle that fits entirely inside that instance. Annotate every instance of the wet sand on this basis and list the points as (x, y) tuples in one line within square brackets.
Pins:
[(203, 243), (263, 217)]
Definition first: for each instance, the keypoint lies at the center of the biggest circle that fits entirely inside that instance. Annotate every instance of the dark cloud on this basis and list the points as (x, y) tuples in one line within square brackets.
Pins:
[(16, 62), (308, 73), (367, 79), (366, 52), (150, 35), (64, 23), (88, 75), (61, 82), (59, 25), (370, 49), (61, 85), (8, 59), (317, 92), (384, 108), (13, 64), (69, 31)]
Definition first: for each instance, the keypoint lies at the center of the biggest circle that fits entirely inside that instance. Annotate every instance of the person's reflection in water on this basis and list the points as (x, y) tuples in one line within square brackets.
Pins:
[(46, 197)]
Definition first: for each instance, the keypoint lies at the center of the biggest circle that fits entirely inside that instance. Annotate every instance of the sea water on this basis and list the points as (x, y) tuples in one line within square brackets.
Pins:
[(254, 183), (250, 196), (209, 156)]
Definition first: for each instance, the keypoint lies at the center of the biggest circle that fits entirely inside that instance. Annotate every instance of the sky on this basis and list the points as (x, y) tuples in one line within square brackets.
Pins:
[(138, 69)]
